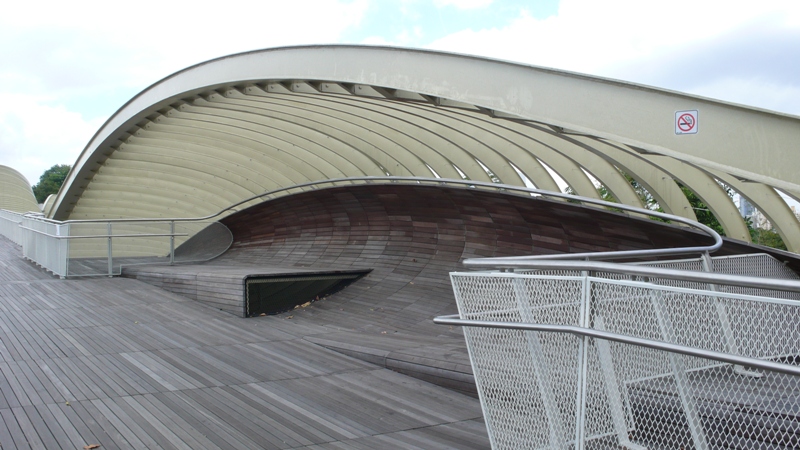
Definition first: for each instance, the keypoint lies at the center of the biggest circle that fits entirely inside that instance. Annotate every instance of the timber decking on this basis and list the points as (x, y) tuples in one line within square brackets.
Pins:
[(411, 237), (123, 364)]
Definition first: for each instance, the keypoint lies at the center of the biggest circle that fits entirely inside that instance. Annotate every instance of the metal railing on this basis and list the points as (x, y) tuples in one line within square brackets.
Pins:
[(9, 225), (93, 247), (77, 248), (582, 354)]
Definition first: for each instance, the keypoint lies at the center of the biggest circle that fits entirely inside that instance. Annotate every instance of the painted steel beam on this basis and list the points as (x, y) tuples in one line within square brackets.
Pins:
[(275, 117)]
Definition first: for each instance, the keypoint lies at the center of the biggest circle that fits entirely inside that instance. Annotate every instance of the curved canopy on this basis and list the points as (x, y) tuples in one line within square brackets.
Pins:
[(15, 192), (224, 130)]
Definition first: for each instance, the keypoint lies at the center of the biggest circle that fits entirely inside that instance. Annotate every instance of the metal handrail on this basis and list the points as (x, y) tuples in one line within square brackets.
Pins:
[(469, 183), (516, 190), (605, 335), (472, 184), (712, 278), (98, 236)]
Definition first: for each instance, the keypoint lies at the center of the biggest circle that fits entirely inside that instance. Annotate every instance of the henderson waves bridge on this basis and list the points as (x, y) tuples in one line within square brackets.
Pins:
[(288, 223)]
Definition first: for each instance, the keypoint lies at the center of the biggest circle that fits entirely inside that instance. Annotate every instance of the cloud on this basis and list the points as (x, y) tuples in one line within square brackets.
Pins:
[(92, 56), (705, 48), (68, 65), (34, 136), (463, 4), (140, 44)]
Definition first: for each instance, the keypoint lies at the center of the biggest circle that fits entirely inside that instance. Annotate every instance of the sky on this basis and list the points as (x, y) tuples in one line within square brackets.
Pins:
[(66, 67)]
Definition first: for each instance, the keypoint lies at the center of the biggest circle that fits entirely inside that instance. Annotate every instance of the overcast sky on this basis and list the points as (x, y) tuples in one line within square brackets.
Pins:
[(65, 67)]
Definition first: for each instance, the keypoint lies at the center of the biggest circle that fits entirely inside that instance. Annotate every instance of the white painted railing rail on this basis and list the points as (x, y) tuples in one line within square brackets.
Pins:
[(571, 352), (91, 246)]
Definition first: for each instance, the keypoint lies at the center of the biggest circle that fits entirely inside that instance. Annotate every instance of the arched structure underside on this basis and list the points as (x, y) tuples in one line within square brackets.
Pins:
[(15, 192), (224, 130), (411, 238)]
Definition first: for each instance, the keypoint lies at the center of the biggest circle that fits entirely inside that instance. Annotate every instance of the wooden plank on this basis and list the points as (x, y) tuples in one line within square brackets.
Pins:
[(64, 433), (179, 423), (79, 433), (123, 424), (11, 434), (100, 426), (35, 425), (246, 434)]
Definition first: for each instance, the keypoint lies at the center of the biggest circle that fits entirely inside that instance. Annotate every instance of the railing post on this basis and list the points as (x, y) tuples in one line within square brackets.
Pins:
[(616, 401), (60, 259), (724, 320), (544, 377), (110, 257), (172, 242), (583, 365), (66, 246), (679, 374)]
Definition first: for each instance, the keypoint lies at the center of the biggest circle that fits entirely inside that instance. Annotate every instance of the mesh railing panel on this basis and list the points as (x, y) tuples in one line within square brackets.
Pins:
[(759, 265), (756, 265), (551, 390), (9, 226)]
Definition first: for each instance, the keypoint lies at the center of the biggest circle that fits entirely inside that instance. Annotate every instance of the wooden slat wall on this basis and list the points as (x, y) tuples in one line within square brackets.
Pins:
[(412, 237)]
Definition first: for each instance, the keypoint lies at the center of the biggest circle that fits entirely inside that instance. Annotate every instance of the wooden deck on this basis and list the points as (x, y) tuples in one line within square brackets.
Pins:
[(410, 238), (123, 364)]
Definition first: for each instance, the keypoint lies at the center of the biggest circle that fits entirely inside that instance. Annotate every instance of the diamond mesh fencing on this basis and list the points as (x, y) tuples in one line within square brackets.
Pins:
[(557, 390), (755, 265)]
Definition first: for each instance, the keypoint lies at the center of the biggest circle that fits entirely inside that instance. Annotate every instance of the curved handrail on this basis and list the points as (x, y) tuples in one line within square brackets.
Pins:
[(479, 185), (712, 278)]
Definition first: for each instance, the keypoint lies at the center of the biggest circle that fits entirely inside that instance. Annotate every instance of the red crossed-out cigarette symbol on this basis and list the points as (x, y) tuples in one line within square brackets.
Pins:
[(686, 122)]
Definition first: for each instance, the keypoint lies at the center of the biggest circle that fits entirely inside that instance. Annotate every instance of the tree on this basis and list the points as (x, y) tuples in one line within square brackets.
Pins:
[(704, 215), (769, 238), (762, 236), (50, 181)]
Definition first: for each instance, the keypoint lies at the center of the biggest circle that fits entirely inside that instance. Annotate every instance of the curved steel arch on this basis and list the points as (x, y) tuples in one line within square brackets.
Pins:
[(297, 114)]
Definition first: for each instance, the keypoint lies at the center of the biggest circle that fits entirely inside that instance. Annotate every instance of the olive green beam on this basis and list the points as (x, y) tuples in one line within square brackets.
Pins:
[(490, 156), (402, 136), (416, 135), (581, 158)]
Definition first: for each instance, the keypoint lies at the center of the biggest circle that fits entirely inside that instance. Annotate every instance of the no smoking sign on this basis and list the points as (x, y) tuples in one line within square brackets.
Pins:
[(686, 122)]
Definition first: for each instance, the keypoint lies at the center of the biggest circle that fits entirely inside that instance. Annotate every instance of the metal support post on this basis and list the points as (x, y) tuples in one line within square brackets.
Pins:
[(544, 378), (583, 364), (110, 257), (615, 397), (172, 242), (725, 322), (679, 373)]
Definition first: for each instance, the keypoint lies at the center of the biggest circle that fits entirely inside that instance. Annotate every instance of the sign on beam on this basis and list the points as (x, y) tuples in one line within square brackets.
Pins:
[(686, 122)]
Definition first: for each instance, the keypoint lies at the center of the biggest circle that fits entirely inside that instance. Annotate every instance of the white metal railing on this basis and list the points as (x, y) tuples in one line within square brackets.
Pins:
[(91, 247), (570, 352), (44, 243), (588, 361), (9, 225), (101, 247)]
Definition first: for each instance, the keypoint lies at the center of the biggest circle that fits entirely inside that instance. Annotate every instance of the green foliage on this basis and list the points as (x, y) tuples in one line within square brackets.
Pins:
[(704, 215), (761, 236), (647, 199), (50, 181), (769, 238)]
